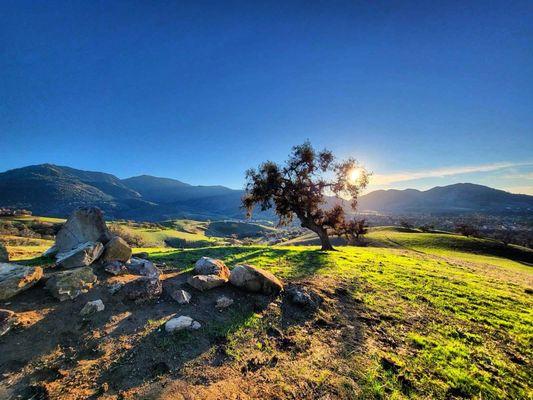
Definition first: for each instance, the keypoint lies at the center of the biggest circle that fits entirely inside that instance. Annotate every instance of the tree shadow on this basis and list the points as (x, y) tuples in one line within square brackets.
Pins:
[(289, 262)]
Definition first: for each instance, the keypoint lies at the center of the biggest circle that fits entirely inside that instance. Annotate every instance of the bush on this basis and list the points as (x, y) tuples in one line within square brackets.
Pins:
[(131, 238)]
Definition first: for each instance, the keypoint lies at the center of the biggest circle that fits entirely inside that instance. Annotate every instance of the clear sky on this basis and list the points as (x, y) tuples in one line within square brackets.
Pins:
[(424, 93)]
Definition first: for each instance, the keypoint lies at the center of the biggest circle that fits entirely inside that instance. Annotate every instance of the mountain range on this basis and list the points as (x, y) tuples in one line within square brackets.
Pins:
[(53, 190)]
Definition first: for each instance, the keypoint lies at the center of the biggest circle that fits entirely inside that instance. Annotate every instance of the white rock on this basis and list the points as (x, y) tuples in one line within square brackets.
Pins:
[(92, 307), (178, 324)]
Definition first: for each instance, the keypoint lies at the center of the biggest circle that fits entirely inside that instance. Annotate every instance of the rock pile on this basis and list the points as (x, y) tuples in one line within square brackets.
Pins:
[(84, 242)]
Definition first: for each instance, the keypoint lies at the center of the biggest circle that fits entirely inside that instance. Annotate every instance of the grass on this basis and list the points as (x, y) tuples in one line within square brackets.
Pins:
[(459, 327), (440, 316)]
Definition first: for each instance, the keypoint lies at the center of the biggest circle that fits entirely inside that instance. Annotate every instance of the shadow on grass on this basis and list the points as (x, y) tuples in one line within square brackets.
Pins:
[(289, 263)]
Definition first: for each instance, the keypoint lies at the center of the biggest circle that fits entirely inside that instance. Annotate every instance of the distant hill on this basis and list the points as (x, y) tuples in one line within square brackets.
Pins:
[(457, 198), (55, 191), (165, 190)]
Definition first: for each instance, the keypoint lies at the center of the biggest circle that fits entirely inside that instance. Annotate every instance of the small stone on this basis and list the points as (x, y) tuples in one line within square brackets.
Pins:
[(92, 307), (178, 324), (223, 302), (181, 296), (195, 325), (303, 298)]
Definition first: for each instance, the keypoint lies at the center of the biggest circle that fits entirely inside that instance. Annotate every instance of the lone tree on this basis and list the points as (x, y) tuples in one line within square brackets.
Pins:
[(300, 188)]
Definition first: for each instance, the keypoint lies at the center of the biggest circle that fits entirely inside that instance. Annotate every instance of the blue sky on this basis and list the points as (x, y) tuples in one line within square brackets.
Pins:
[(423, 93)]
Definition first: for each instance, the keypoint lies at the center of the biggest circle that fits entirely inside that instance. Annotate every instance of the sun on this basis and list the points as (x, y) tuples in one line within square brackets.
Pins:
[(355, 175)]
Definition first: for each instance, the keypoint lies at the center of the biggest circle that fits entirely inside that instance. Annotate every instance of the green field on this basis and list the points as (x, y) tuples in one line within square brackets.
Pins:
[(447, 325), (438, 316)]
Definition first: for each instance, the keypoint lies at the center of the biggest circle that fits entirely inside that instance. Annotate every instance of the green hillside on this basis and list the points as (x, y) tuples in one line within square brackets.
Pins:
[(410, 315), (433, 325)]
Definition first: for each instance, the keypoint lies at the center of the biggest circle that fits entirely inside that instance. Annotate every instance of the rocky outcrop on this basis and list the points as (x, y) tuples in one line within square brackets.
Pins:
[(206, 282), (211, 266), (7, 320), (17, 278), (84, 225), (255, 279), (81, 256), (4, 256), (116, 250), (70, 284), (143, 289)]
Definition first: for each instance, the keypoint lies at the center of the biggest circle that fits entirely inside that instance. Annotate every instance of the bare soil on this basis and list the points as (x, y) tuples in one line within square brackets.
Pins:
[(123, 352)]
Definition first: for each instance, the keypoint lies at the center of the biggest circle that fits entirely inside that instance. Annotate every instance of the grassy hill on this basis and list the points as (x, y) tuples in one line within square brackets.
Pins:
[(411, 315)]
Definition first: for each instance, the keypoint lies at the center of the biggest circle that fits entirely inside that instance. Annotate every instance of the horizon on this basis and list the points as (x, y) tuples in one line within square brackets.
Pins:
[(423, 95), (364, 192)]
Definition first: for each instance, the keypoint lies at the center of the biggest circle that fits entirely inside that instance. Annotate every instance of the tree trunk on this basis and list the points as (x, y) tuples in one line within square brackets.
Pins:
[(324, 239), (320, 231)]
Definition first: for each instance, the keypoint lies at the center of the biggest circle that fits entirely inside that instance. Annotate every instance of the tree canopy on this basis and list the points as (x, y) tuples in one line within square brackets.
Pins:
[(311, 186)]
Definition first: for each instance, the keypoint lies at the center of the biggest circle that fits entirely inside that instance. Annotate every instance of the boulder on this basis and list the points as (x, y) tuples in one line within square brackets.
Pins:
[(143, 289), (17, 278), (181, 323), (211, 266), (70, 284), (181, 296), (255, 279), (143, 267), (115, 268), (92, 307), (81, 256), (84, 225), (117, 250), (7, 320), (223, 302), (205, 282), (4, 256)]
